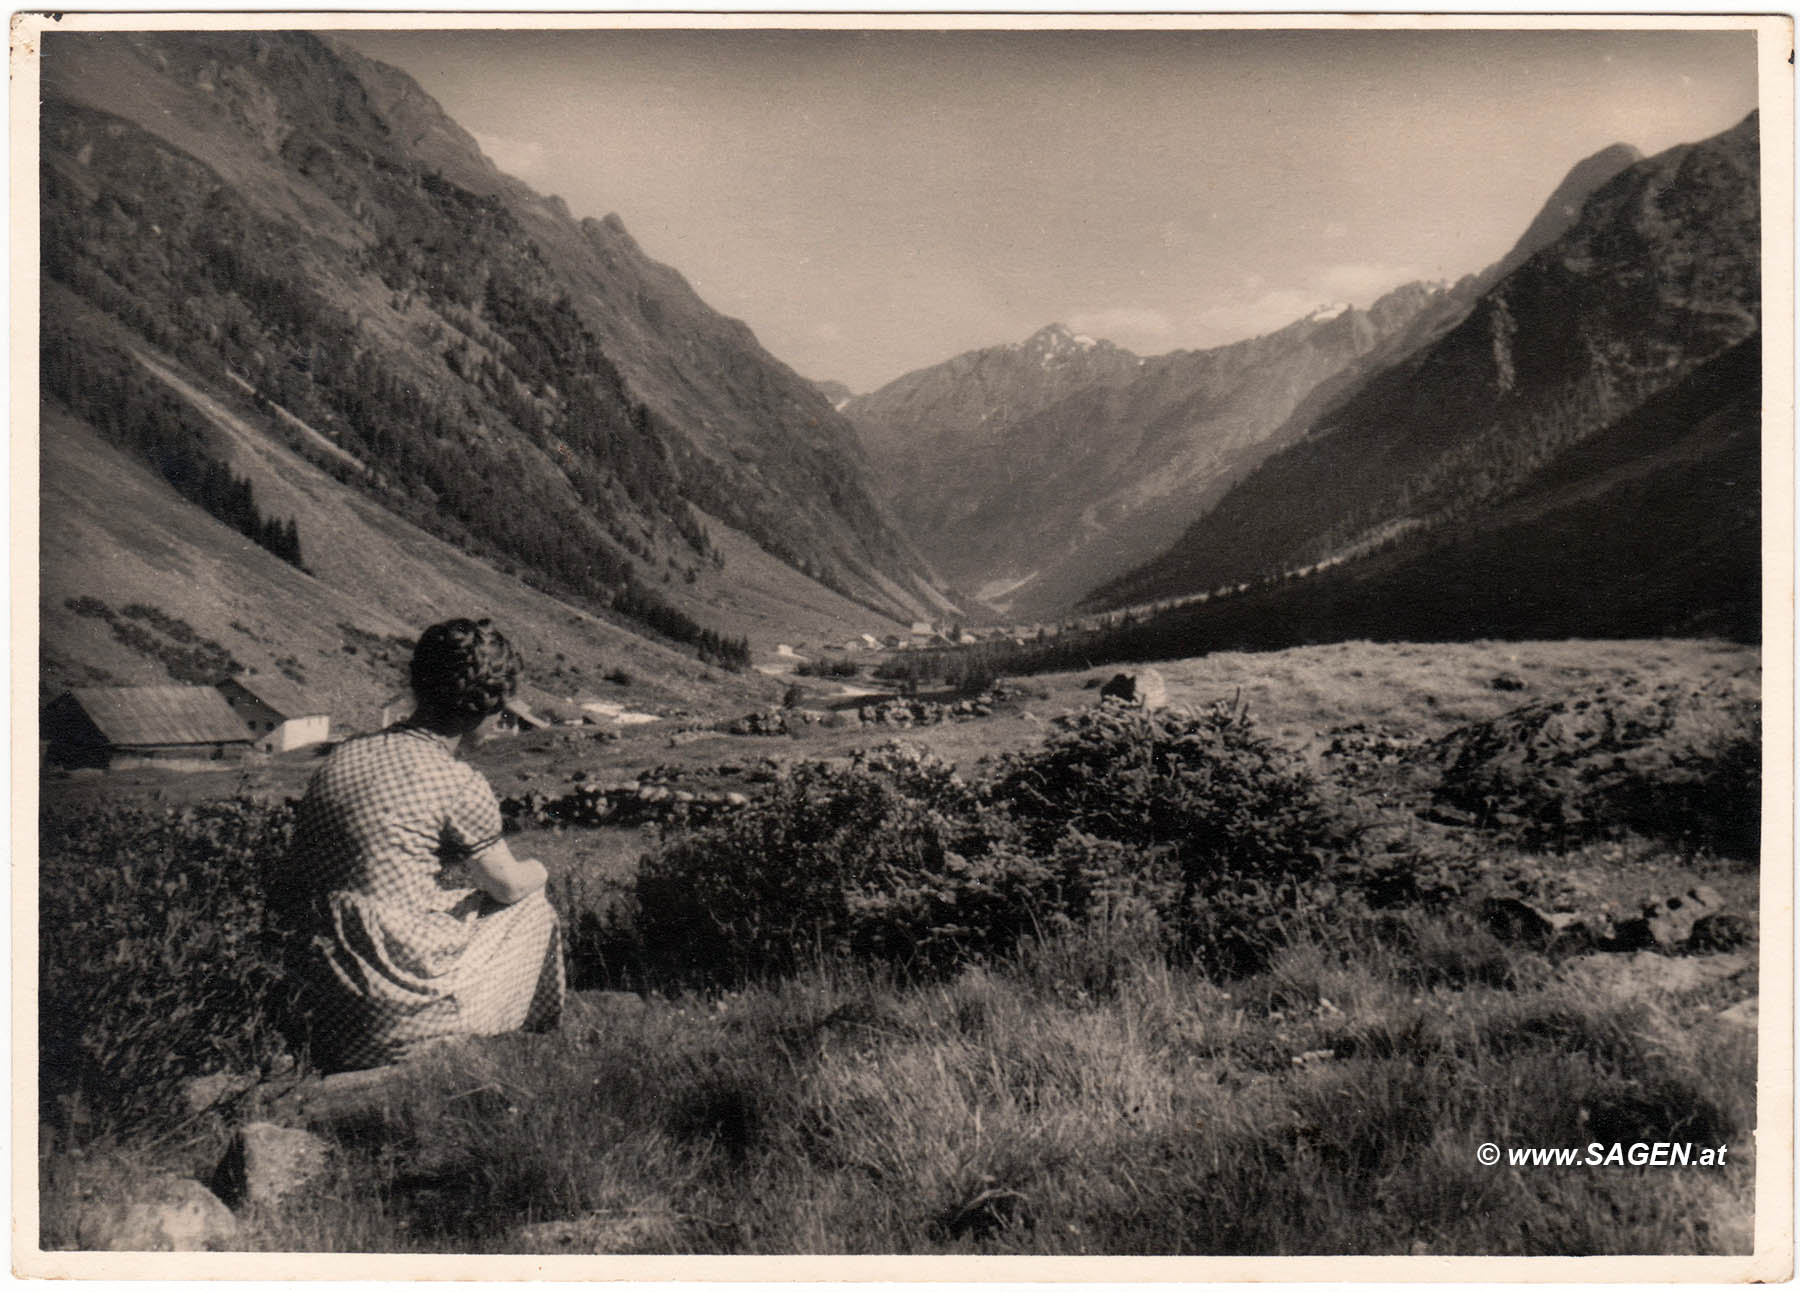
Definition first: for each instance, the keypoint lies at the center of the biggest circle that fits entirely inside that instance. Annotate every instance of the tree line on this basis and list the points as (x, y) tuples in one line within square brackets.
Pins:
[(106, 388)]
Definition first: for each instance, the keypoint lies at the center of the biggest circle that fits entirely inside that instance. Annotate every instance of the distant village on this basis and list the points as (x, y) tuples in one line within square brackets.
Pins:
[(927, 634)]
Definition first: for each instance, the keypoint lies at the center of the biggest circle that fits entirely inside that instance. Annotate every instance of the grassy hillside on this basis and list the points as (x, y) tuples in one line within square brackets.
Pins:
[(114, 533)]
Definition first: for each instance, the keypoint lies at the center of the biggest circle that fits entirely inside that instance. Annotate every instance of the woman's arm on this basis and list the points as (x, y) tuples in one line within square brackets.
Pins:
[(504, 877)]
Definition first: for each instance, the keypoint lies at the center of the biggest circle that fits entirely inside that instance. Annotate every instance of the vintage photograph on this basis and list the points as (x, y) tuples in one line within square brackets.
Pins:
[(882, 638)]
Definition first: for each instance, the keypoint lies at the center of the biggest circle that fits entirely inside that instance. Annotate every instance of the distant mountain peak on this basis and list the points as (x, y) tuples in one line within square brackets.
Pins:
[(1057, 341)]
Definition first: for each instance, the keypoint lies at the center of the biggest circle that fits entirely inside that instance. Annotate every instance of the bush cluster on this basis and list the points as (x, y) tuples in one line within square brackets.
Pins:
[(1193, 826), (1226, 833), (154, 961), (888, 859)]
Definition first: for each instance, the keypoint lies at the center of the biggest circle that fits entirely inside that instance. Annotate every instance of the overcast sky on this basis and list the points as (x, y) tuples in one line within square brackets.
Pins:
[(875, 202)]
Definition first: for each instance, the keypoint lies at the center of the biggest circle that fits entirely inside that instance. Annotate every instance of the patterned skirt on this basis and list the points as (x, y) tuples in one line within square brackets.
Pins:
[(371, 998)]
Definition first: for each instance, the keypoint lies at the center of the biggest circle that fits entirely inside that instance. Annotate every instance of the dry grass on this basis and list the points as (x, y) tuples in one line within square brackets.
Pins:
[(1332, 1104)]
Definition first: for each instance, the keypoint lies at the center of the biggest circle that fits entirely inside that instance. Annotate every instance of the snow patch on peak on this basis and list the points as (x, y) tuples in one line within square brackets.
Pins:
[(1325, 313)]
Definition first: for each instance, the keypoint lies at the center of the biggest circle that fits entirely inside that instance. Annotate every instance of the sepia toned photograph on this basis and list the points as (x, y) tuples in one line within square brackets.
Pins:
[(889, 640)]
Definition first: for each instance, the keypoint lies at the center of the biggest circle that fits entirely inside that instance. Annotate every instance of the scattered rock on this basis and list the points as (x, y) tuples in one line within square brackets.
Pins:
[(167, 1215), (1507, 682), (342, 1094), (267, 1162)]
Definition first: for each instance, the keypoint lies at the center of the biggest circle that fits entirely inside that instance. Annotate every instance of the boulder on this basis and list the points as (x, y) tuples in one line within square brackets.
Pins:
[(1671, 920), (267, 1162), (166, 1215), (1515, 921), (201, 1093), (1145, 687), (1669, 761)]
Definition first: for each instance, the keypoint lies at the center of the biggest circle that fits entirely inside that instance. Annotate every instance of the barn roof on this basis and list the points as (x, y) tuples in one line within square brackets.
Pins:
[(160, 715), (279, 694)]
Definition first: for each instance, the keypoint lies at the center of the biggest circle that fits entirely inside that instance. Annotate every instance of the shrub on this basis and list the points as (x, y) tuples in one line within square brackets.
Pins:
[(1241, 822), (1194, 831), (889, 860), (153, 961)]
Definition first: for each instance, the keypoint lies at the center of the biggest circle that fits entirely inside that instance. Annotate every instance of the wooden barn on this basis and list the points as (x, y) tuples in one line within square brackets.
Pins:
[(277, 714), (122, 726)]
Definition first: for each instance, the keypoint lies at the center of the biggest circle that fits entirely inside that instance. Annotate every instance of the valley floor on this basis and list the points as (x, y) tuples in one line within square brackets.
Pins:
[(1078, 1095)]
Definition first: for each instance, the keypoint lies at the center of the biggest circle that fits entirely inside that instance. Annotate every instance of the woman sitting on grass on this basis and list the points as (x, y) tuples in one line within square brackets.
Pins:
[(423, 925)]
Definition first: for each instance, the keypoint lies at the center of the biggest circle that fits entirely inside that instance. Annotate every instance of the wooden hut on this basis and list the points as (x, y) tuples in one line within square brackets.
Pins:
[(117, 726)]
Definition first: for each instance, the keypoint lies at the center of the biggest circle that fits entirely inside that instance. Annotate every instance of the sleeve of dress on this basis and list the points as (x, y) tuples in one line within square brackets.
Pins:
[(473, 823)]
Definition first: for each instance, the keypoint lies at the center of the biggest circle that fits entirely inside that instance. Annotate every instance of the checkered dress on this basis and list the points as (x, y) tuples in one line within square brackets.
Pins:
[(405, 950)]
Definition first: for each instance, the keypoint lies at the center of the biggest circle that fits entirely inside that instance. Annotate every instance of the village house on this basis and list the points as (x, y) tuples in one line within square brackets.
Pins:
[(129, 726), (278, 715)]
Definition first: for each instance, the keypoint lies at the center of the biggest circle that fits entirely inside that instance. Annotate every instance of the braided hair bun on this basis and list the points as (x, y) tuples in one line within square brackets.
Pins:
[(465, 667)]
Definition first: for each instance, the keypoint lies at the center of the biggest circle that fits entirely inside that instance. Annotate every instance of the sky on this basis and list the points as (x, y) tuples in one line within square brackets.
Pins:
[(871, 203)]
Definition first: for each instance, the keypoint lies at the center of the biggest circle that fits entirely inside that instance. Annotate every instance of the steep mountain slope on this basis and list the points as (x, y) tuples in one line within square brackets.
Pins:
[(1660, 272), (1563, 207), (287, 218), (1445, 309), (139, 587), (1028, 473), (1650, 527)]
